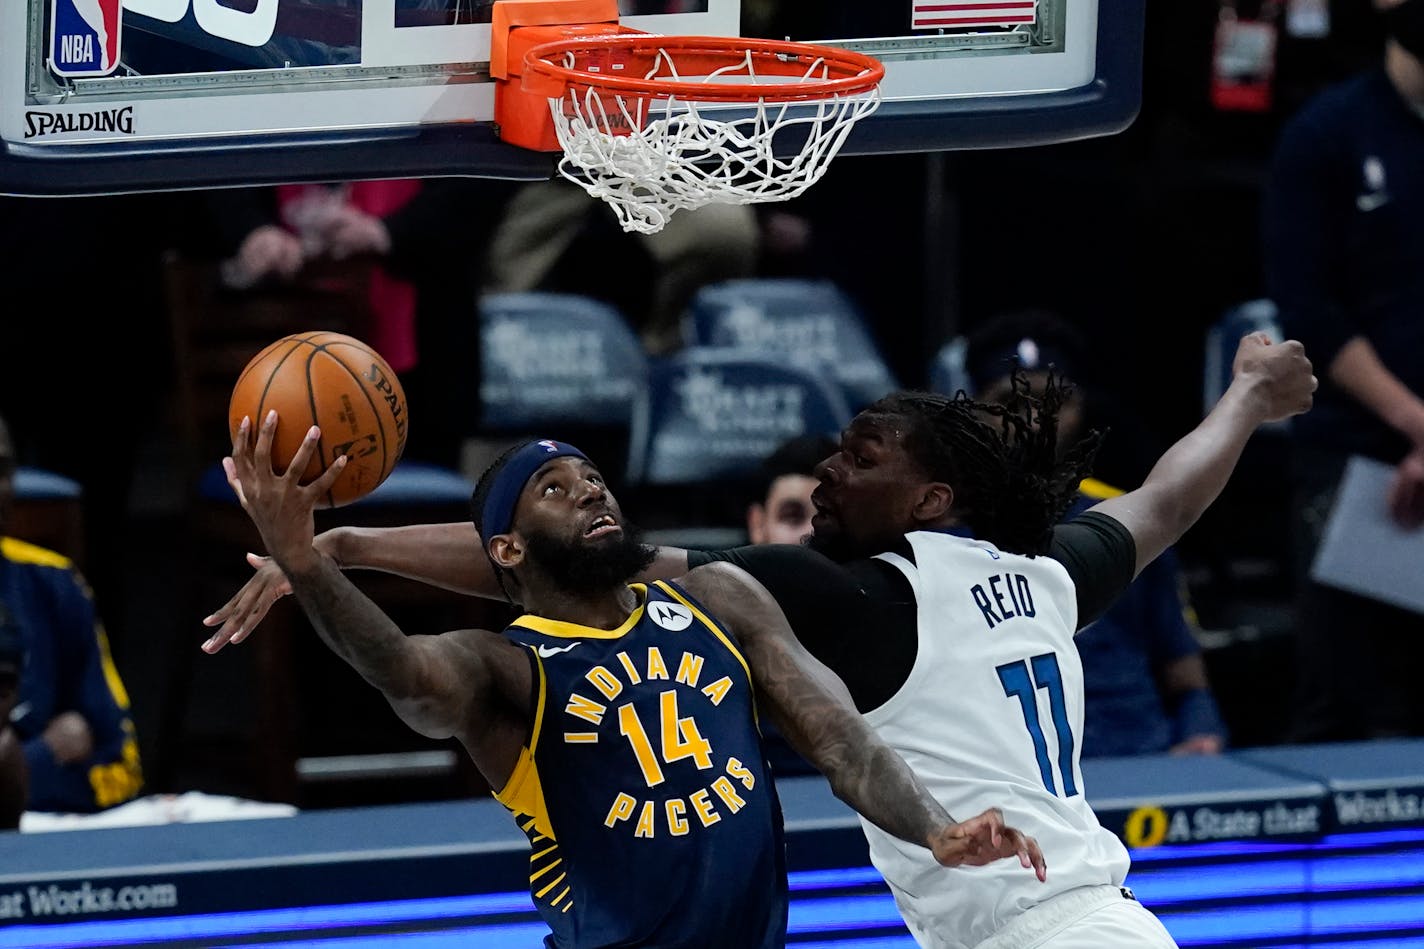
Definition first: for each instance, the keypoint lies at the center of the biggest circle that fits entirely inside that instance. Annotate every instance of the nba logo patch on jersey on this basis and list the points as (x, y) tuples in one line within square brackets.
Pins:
[(84, 37)]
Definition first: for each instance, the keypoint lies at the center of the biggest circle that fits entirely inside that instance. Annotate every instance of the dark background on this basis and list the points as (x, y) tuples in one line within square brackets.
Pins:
[(1142, 238)]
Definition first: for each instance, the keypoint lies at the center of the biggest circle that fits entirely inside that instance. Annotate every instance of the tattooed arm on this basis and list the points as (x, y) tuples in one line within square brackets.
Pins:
[(450, 556), (469, 684), (814, 711)]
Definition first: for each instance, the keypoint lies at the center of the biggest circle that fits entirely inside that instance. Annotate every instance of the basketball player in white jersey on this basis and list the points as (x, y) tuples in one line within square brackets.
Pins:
[(940, 587)]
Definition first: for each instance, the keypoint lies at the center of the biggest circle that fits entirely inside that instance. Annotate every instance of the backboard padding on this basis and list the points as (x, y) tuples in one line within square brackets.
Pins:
[(342, 89)]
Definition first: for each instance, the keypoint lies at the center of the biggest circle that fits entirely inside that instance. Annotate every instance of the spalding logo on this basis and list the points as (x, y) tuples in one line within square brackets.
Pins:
[(39, 124), (377, 377)]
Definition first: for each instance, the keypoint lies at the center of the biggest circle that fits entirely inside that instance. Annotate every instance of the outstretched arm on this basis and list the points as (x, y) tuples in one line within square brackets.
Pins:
[(436, 684), (812, 708), (450, 556), (1270, 382)]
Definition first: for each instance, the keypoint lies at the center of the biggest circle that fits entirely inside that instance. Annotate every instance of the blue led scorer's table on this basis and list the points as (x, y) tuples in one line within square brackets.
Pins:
[(1278, 847)]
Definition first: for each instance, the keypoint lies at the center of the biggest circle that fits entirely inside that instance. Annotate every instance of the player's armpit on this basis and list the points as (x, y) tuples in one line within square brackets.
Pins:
[(452, 679)]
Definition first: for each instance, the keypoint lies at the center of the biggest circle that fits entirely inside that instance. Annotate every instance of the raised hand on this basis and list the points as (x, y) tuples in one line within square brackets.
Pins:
[(984, 839), (1283, 382), (278, 504)]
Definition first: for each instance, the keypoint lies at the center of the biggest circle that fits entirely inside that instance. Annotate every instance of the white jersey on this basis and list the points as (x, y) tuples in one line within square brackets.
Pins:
[(991, 716)]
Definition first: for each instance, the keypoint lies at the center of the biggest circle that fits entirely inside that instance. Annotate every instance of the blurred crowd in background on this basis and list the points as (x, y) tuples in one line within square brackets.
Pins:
[(1115, 258)]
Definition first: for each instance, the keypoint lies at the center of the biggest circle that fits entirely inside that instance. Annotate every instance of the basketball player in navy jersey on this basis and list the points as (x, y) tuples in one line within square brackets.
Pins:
[(942, 590), (617, 720)]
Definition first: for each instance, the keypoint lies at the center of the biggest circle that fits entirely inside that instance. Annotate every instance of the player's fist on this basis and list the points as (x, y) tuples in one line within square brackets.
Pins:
[(1278, 376)]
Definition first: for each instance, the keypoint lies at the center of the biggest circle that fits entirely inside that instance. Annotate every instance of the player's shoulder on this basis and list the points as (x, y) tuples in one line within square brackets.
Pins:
[(716, 579), (473, 644)]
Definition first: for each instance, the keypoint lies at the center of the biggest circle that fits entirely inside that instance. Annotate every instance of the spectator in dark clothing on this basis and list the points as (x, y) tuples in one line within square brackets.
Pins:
[(14, 777), (1145, 682), (1343, 235), (71, 712), (99, 342)]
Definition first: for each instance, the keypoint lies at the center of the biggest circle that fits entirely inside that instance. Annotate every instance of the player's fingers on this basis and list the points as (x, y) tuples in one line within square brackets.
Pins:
[(257, 599), (230, 470), (1036, 859), (240, 437), (266, 433), (233, 616), (985, 828), (1027, 850), (328, 477), (303, 456), (222, 635)]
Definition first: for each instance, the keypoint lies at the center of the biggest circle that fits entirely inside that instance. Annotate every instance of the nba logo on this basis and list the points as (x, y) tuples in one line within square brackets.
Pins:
[(84, 37)]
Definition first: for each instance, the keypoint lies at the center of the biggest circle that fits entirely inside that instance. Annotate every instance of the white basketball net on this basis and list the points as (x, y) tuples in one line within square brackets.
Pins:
[(670, 154)]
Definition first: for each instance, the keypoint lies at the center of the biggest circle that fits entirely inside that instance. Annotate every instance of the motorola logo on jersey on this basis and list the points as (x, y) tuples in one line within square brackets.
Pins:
[(673, 617)]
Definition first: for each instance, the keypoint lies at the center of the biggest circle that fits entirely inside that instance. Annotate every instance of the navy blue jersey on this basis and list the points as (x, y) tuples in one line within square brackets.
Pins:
[(67, 668), (651, 816)]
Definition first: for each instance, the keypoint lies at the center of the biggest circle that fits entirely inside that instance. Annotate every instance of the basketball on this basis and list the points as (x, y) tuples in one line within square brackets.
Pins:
[(338, 383)]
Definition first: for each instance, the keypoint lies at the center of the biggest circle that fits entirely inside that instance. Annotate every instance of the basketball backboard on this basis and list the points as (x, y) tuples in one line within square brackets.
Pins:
[(106, 96)]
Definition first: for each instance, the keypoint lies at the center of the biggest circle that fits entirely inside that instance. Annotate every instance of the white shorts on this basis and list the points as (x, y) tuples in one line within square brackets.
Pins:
[(1091, 917)]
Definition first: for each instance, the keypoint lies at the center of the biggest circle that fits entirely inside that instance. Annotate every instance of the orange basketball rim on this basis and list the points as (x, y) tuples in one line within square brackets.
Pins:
[(653, 123)]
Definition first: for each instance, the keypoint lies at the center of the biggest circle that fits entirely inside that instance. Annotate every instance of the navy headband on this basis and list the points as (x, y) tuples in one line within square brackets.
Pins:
[(509, 482)]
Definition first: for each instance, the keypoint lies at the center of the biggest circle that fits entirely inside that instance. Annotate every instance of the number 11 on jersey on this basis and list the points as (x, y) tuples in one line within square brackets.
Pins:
[(1019, 683)]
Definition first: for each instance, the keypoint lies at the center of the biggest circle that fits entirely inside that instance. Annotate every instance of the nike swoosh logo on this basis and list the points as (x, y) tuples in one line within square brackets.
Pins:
[(546, 651), (19, 711), (1371, 202)]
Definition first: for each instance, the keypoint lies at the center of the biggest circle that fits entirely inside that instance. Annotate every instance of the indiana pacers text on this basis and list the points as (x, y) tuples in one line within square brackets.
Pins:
[(671, 738)]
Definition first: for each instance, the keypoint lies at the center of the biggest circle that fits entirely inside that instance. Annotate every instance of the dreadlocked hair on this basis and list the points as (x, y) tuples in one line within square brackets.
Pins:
[(477, 507), (1011, 484)]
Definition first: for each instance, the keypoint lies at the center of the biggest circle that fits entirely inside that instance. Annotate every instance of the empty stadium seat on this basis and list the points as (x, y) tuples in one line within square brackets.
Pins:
[(806, 320), (48, 510), (710, 417), (561, 365)]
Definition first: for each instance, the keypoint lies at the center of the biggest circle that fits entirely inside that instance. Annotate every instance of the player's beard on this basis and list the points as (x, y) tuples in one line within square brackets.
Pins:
[(835, 545), (587, 568)]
